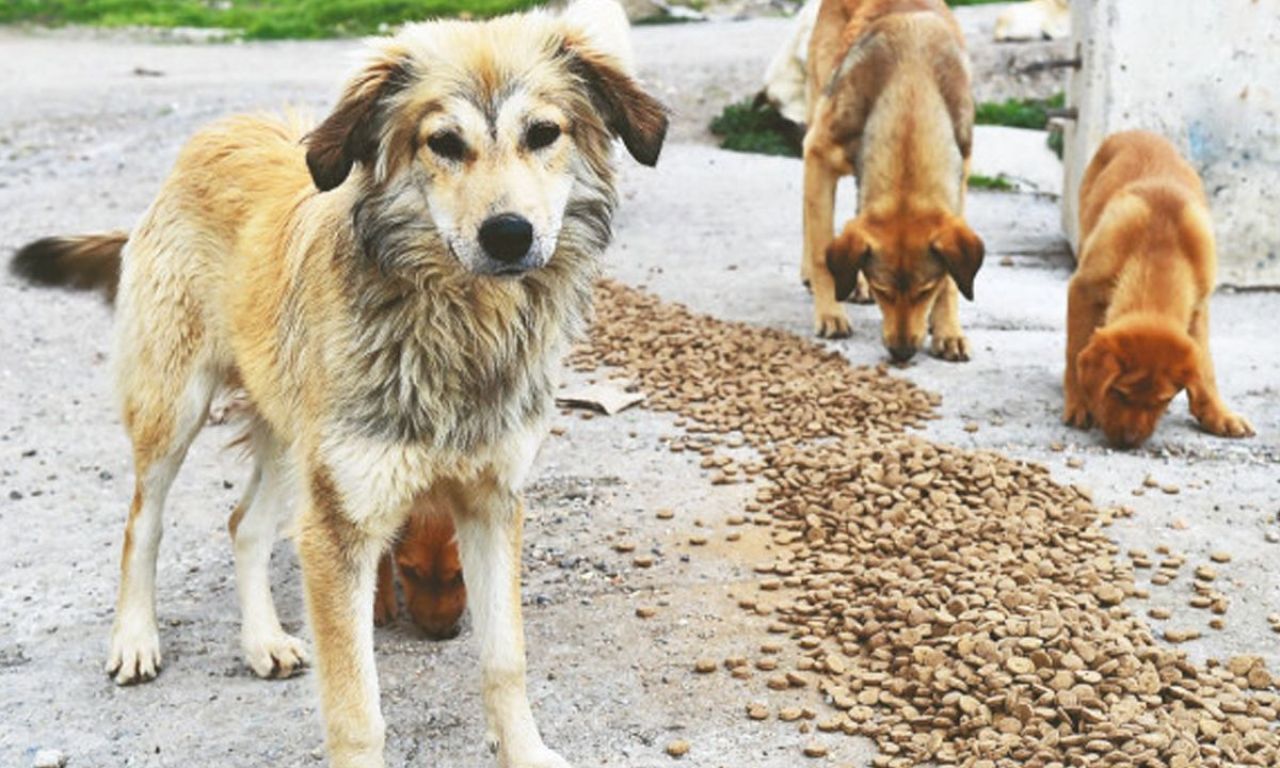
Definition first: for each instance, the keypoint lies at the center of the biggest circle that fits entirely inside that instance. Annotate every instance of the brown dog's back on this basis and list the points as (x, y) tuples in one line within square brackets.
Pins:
[(1144, 218)]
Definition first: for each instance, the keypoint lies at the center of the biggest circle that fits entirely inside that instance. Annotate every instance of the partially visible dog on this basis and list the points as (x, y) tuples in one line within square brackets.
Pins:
[(393, 289), (426, 557), (890, 100), (1138, 304), (1034, 20)]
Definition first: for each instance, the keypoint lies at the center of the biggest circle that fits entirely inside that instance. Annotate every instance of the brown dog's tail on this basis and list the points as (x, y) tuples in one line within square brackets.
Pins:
[(79, 263)]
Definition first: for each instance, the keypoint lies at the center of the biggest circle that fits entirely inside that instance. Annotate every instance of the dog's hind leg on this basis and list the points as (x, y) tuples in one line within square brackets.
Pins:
[(163, 411), (489, 524), (268, 649)]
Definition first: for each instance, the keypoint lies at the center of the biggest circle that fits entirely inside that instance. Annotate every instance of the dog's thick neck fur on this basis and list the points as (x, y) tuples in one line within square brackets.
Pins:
[(428, 335)]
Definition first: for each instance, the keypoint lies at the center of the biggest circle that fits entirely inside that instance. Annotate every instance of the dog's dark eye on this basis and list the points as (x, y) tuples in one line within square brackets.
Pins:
[(542, 135), (448, 145)]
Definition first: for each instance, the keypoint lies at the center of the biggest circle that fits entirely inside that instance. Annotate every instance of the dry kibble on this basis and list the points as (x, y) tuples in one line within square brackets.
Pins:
[(643, 561), (624, 546), (1220, 557), (957, 607), (815, 750), (1075, 462), (646, 612), (678, 748), (704, 666), (665, 514)]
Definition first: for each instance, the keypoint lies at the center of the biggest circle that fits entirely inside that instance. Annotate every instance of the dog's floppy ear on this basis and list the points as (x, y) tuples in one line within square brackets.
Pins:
[(1097, 369), (630, 114), (846, 257), (961, 251), (349, 134)]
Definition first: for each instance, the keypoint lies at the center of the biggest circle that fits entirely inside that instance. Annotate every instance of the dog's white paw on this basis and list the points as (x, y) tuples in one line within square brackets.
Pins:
[(274, 656), (135, 653), (540, 757)]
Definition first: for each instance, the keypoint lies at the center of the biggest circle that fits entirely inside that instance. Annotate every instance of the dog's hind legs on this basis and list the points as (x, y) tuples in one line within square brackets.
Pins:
[(162, 420), (268, 649)]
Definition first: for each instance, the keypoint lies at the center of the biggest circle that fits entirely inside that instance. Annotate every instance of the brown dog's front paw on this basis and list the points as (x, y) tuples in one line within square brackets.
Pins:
[(1077, 415), (1227, 424), (832, 323), (385, 608), (952, 347), (861, 292)]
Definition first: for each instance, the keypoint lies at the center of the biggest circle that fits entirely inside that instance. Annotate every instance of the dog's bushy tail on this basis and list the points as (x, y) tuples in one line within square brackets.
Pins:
[(78, 263)]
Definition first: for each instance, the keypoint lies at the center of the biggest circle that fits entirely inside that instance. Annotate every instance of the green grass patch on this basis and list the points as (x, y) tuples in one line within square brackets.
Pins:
[(996, 183), (757, 128), (253, 19), (1019, 113)]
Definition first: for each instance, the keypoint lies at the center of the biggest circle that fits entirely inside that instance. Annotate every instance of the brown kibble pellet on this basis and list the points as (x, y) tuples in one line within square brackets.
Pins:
[(704, 666), (624, 546), (1220, 557), (665, 514), (646, 612), (757, 711), (643, 561), (678, 748), (815, 750)]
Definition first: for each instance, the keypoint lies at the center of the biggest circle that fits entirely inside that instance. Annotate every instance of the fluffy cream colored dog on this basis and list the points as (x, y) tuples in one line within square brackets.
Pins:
[(393, 289)]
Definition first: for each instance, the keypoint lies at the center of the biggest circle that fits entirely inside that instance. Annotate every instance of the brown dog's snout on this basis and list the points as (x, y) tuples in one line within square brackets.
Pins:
[(901, 353), (506, 237)]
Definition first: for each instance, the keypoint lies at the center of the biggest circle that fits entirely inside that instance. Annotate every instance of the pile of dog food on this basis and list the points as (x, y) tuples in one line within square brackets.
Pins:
[(958, 607)]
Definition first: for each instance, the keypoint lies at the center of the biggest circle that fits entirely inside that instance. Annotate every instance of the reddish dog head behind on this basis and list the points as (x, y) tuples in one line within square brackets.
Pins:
[(906, 260), (1129, 372), (431, 575)]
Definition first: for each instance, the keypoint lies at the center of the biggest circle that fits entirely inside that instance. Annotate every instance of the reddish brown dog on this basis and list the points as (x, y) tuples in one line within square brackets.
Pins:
[(426, 556), (1138, 307)]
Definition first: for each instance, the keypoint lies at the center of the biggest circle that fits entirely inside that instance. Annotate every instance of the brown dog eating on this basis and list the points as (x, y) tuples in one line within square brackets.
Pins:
[(426, 557), (890, 102), (1138, 306)]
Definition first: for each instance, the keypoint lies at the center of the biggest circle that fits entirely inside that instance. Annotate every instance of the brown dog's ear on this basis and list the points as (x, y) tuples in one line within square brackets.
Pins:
[(846, 257), (961, 251), (630, 114), (1097, 368), (350, 134)]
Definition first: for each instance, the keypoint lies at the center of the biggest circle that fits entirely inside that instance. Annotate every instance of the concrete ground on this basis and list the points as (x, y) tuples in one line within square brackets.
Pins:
[(84, 143)]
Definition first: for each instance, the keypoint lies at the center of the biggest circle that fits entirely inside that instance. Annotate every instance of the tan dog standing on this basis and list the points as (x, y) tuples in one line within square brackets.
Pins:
[(1138, 305), (890, 102), (393, 290)]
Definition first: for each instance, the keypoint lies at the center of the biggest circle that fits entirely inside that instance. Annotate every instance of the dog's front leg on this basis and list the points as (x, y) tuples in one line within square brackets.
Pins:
[(339, 566), (949, 342), (1206, 404), (829, 318), (489, 527), (1084, 314)]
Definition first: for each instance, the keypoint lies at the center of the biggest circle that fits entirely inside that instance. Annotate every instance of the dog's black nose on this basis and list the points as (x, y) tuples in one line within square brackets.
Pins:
[(901, 353), (506, 237)]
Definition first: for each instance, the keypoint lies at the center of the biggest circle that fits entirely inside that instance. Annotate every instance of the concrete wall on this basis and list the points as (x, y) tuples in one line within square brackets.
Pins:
[(1206, 74)]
